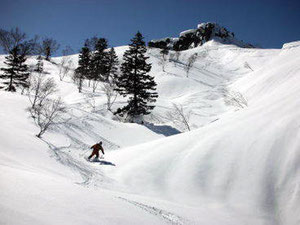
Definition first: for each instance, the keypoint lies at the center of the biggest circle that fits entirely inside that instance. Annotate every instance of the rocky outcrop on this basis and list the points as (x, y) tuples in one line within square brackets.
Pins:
[(197, 37)]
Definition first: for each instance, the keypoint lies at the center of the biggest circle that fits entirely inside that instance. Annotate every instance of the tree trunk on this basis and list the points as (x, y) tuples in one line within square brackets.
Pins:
[(10, 86)]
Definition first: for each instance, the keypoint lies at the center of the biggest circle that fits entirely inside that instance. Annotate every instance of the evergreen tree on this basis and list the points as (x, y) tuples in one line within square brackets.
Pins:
[(16, 75), (99, 63), (135, 82), (113, 62), (83, 69)]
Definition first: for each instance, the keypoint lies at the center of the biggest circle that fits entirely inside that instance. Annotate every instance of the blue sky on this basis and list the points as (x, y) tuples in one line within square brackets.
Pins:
[(269, 23)]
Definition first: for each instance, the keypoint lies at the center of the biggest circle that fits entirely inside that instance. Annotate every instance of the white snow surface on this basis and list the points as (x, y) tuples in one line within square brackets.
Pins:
[(183, 33), (239, 164)]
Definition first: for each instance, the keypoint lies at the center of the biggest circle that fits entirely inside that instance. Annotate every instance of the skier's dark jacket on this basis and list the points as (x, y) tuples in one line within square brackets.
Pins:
[(98, 147)]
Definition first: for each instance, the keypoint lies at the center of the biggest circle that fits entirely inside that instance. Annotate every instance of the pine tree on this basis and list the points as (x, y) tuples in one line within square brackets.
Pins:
[(99, 63), (109, 87), (16, 75), (135, 82), (83, 69), (113, 63)]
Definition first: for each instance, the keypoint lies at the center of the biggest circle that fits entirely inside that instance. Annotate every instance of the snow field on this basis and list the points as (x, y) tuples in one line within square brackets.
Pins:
[(239, 165)]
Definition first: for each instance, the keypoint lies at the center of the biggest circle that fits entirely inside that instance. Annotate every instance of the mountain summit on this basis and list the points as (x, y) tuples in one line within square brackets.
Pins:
[(196, 37)]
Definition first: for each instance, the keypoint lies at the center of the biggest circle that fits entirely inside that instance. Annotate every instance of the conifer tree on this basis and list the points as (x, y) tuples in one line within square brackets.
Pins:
[(109, 86), (83, 69), (99, 63), (113, 63), (135, 82), (16, 74)]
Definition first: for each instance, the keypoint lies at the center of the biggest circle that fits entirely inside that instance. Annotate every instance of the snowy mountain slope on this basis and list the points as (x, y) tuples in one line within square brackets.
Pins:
[(240, 167), (36, 189), (204, 90), (248, 160)]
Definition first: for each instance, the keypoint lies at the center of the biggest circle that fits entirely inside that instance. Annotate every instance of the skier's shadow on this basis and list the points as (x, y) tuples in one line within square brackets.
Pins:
[(103, 162)]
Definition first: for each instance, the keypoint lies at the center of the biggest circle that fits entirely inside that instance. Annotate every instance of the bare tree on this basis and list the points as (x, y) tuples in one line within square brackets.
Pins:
[(177, 55), (190, 63), (111, 94), (91, 102), (16, 38), (67, 51), (48, 47), (234, 98), (95, 84), (66, 63), (78, 79), (174, 57), (11, 39), (45, 112), (163, 60), (48, 114), (65, 70), (40, 89), (179, 117)]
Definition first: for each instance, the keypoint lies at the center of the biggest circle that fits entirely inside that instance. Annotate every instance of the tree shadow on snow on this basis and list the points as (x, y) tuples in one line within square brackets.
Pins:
[(162, 129)]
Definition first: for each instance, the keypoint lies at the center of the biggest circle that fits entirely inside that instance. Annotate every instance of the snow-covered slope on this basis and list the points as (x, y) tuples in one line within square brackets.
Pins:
[(239, 165)]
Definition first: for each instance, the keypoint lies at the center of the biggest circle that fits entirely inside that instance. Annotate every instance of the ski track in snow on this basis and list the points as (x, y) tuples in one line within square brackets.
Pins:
[(87, 173), (163, 214)]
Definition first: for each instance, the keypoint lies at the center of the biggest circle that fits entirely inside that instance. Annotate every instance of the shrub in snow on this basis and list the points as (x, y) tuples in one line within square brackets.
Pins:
[(190, 63), (179, 117), (40, 89), (48, 114), (235, 98), (45, 111)]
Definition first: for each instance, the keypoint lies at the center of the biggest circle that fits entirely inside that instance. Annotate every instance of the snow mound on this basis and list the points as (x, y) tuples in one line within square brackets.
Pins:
[(293, 44)]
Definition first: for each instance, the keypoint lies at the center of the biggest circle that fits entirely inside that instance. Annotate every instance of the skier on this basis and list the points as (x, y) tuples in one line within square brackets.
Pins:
[(96, 148)]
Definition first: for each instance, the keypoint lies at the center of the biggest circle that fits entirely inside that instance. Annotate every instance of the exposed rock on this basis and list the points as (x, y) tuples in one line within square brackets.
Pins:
[(197, 37)]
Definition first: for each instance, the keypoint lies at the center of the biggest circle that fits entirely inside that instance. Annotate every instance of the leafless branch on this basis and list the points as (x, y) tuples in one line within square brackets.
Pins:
[(179, 117)]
